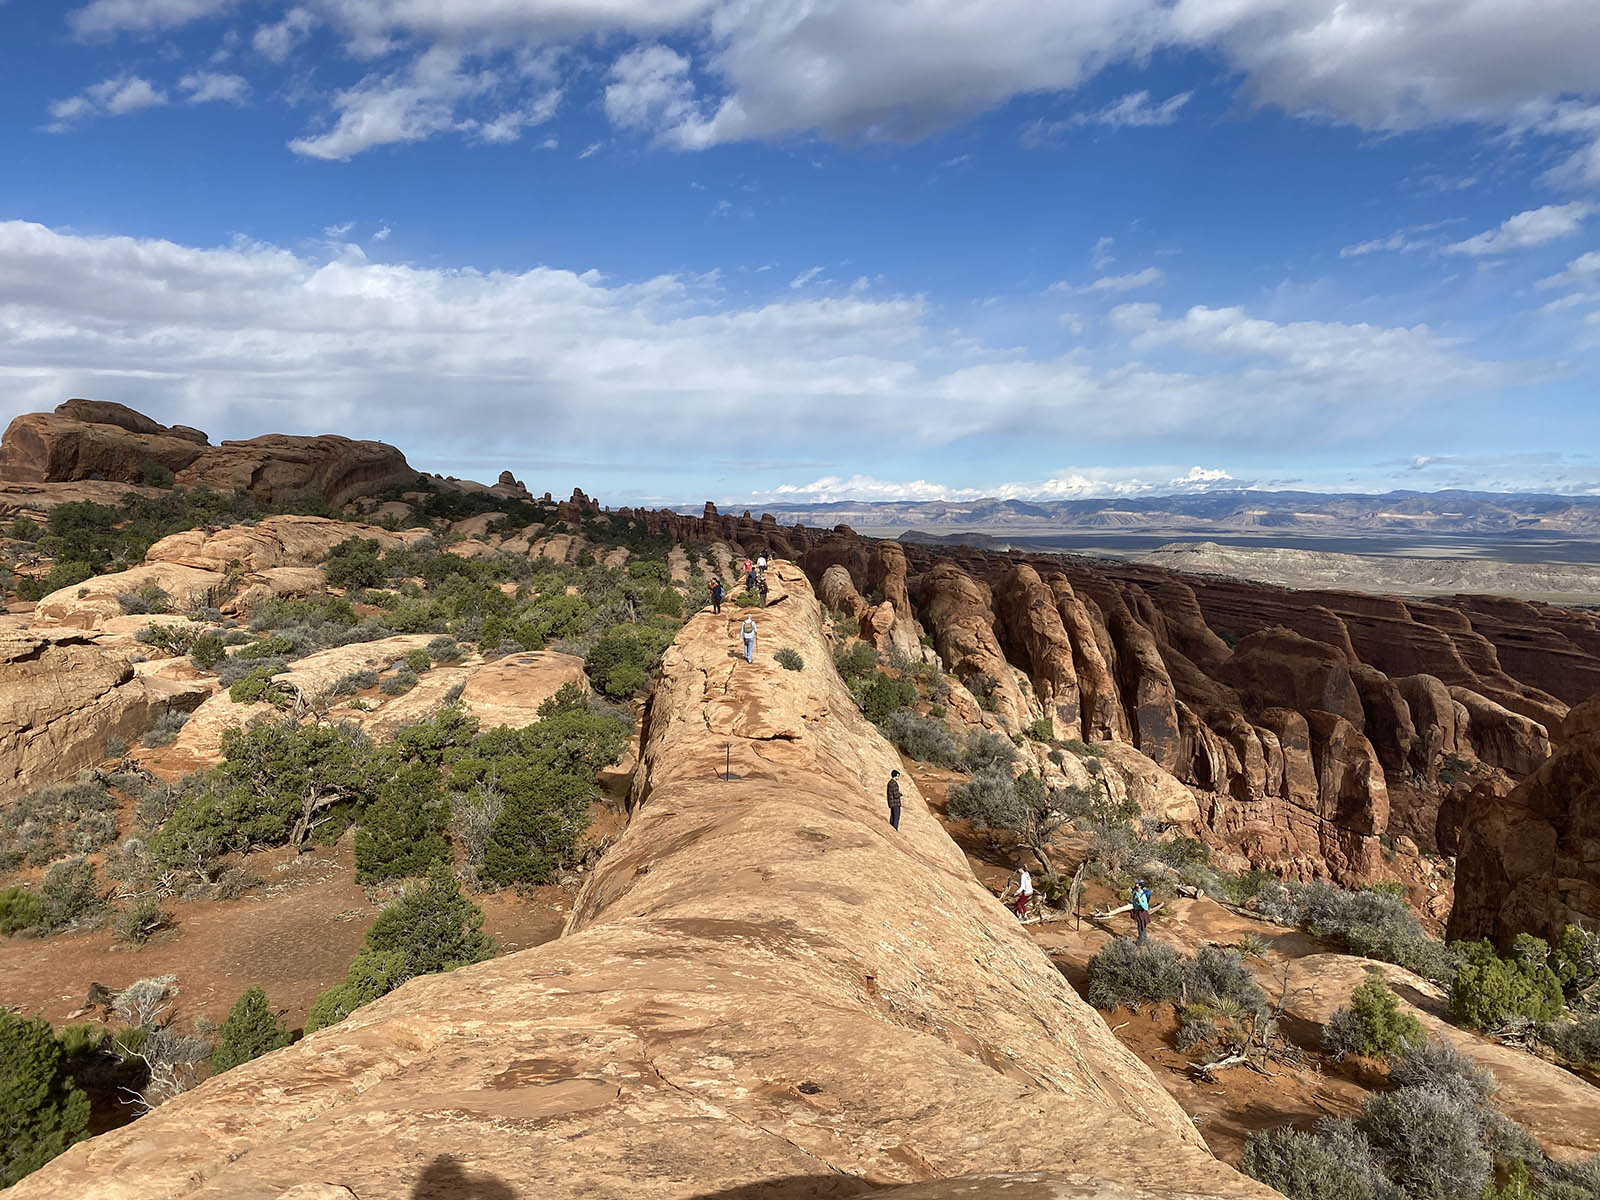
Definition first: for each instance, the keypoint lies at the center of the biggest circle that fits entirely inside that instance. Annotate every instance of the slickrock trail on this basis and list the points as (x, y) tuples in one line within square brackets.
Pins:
[(764, 991)]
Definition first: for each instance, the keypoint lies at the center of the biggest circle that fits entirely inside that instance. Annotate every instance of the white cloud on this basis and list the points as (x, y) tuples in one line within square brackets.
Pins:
[(508, 126), (1148, 277), (336, 342), (406, 106), (1072, 483), (902, 70), (104, 17), (650, 89), (805, 277), (1582, 270), (1394, 242), (278, 40), (206, 86), (1101, 257), (591, 149), (110, 97), (1135, 109), (1527, 229), (335, 232), (382, 234)]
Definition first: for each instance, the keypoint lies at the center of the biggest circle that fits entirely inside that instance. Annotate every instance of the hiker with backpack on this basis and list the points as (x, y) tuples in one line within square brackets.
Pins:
[(748, 632), (716, 595), (1141, 908)]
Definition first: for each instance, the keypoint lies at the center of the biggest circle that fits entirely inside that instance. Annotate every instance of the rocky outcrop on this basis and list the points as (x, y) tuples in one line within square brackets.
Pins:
[(958, 610), (232, 568), (684, 1038), (62, 697), (1530, 861), (1030, 621), (1500, 737), (85, 439)]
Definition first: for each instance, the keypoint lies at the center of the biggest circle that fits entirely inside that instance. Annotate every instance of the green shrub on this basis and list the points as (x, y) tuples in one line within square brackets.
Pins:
[(879, 696), (249, 1032), (401, 833), (1429, 1145), (1041, 730), (1128, 973), (618, 664), (147, 598), (545, 774), (1220, 976), (419, 660), (430, 928), (1334, 1163), (134, 924), (855, 662), (25, 529), (20, 910), (398, 683), (1574, 1042), (1374, 1025), (252, 687), (1489, 990), (353, 563), (156, 475), (69, 894), (42, 1112), (923, 738), (789, 659), (207, 651)]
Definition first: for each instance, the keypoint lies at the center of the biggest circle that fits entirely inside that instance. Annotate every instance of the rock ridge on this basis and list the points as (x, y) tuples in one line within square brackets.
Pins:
[(761, 984)]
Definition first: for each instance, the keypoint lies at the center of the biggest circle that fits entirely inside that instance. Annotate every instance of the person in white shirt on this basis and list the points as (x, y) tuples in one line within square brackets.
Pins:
[(748, 632), (1024, 891)]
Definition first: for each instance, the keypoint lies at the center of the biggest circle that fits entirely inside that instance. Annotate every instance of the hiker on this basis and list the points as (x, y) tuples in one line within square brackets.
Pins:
[(894, 799), (716, 595), (762, 586), (1141, 908), (748, 632), (761, 564), (750, 580), (1024, 892), (748, 566)]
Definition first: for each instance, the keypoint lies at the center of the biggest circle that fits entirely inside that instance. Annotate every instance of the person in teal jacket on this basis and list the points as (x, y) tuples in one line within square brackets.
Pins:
[(1141, 908)]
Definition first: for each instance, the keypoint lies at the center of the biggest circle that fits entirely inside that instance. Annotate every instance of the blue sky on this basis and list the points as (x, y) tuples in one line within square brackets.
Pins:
[(671, 249)]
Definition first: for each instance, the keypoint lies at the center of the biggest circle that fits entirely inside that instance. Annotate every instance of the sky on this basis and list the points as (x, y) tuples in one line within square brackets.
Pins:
[(810, 250)]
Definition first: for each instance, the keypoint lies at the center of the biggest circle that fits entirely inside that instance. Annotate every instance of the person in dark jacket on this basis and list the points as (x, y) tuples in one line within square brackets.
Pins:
[(762, 588), (894, 799), (716, 595)]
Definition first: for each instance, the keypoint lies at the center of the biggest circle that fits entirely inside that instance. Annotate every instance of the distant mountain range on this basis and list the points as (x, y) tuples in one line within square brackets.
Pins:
[(1305, 513)]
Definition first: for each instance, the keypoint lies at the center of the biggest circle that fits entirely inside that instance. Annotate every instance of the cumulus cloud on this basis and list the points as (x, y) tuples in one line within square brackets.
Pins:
[(901, 71), (110, 98), (1527, 229), (333, 341), (203, 87), (278, 40)]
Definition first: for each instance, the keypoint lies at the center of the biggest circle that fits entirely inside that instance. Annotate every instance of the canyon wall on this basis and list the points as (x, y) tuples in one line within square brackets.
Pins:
[(1319, 730)]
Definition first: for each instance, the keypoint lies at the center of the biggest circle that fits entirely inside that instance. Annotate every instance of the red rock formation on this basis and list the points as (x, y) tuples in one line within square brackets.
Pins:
[(1530, 861), (86, 439), (1030, 622)]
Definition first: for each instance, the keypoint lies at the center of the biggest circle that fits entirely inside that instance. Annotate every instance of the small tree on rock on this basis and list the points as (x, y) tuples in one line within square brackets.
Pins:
[(42, 1112), (249, 1032), (1024, 806)]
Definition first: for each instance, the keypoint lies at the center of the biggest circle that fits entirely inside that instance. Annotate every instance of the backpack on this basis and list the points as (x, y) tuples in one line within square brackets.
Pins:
[(1141, 899)]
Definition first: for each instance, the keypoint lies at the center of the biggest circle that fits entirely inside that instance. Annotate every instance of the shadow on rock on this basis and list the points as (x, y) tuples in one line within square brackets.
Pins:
[(443, 1179), (797, 1187)]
